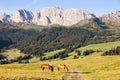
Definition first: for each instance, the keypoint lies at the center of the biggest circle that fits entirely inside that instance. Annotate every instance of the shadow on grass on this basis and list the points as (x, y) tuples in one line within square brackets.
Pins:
[(85, 72)]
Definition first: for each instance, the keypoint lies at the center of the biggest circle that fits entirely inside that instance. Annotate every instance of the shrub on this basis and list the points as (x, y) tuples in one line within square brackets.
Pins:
[(78, 52), (75, 57), (87, 52)]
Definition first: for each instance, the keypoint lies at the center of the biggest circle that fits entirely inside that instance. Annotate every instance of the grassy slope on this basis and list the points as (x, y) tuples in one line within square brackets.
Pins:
[(48, 54), (13, 53), (30, 26), (99, 48), (91, 67)]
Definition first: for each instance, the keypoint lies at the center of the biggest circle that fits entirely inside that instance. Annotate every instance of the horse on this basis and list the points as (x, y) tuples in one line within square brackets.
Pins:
[(62, 66), (47, 66)]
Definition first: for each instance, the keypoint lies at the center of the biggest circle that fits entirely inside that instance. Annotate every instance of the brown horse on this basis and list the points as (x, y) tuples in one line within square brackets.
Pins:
[(47, 66), (62, 66)]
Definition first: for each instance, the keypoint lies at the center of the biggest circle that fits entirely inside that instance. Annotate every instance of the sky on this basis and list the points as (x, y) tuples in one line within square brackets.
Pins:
[(97, 7)]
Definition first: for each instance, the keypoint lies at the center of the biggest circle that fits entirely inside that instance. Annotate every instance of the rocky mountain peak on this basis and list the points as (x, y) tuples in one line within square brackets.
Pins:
[(49, 16)]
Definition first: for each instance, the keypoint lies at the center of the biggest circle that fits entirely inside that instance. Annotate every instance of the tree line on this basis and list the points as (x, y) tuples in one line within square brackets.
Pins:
[(114, 51)]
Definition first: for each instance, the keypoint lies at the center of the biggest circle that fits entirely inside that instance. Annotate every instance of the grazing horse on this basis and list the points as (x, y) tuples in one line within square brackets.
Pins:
[(62, 66), (47, 66)]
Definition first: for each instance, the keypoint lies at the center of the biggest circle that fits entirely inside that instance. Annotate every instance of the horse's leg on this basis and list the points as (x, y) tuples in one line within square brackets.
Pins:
[(64, 68), (58, 69), (48, 68), (43, 68)]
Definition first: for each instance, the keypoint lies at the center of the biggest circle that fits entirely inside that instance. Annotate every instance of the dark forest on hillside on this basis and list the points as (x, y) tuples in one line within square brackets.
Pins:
[(36, 43)]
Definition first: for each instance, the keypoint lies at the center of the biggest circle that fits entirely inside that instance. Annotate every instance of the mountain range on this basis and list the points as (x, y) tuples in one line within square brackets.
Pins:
[(54, 15)]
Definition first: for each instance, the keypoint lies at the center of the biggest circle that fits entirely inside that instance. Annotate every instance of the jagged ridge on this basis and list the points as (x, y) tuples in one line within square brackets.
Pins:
[(47, 16)]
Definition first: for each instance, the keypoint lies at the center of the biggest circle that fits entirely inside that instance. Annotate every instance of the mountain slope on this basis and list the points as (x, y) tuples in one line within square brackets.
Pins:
[(93, 23)]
